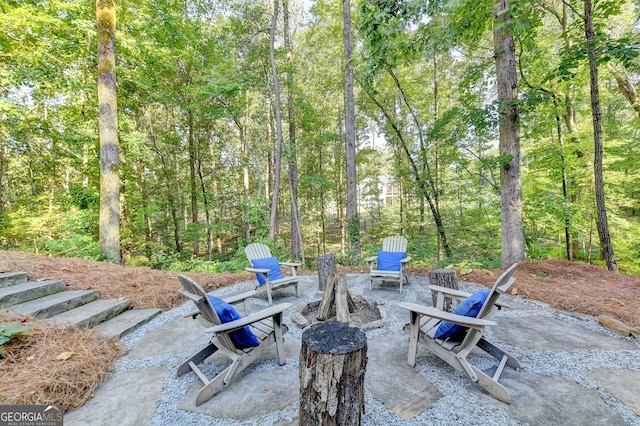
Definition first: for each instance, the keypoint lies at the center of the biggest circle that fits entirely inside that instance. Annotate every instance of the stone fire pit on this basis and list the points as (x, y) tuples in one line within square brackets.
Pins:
[(368, 314)]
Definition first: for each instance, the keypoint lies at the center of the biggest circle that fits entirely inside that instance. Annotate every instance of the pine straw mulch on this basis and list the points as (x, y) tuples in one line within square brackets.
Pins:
[(146, 287), (39, 369), (53, 365), (574, 287)]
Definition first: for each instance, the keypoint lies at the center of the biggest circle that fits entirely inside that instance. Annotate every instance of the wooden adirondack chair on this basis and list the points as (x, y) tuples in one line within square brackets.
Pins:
[(390, 262), (425, 323), (268, 270), (266, 326)]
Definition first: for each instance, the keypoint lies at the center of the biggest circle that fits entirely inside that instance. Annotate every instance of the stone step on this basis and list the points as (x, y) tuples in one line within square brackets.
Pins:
[(55, 304), (19, 293), (92, 313), (126, 322), (12, 278)]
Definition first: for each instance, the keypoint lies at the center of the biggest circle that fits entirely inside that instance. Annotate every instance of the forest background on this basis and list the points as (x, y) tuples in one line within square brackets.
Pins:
[(197, 129)]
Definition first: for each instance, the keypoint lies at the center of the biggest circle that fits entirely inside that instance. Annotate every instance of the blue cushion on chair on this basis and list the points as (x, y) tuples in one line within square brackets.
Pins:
[(469, 307), (389, 260), (270, 263), (242, 337)]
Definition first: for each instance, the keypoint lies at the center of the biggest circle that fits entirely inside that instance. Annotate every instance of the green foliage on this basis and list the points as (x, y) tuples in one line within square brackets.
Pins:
[(9, 331), (164, 261), (466, 267), (258, 216), (73, 245), (84, 198), (65, 228), (204, 266), (192, 90)]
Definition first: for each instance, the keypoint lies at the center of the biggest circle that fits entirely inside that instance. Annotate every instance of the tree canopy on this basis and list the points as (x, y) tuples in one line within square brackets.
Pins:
[(198, 135)]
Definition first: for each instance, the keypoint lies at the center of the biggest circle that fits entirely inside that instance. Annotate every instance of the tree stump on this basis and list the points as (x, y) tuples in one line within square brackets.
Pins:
[(443, 278), (333, 361), (326, 268)]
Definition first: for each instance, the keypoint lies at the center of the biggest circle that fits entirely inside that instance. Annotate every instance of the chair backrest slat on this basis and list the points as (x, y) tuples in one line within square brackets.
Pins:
[(199, 297), (501, 285), (257, 251), (395, 243)]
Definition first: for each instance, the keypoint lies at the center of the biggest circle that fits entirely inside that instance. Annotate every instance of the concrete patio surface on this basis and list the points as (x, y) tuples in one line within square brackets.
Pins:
[(575, 372)]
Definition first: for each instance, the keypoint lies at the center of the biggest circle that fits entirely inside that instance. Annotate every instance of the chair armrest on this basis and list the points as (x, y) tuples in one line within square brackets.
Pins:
[(371, 259), (501, 305), (458, 294), (257, 270), (240, 297), (446, 316), (406, 259), (289, 264), (192, 314), (250, 319), (232, 300), (293, 267)]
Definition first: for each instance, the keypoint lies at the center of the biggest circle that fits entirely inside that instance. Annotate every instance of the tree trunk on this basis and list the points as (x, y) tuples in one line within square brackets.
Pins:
[(273, 226), (626, 87), (297, 247), (193, 186), (108, 127), (569, 115), (424, 183), (510, 188), (353, 222), (443, 278), (2, 161), (596, 113), (145, 209), (207, 215), (323, 216), (333, 361), (171, 202)]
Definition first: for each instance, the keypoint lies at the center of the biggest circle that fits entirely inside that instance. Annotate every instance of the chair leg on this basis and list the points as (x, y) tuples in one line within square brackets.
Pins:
[(207, 391), (413, 339), (493, 387), (268, 284), (205, 353), (279, 340), (460, 363), (237, 366), (498, 353)]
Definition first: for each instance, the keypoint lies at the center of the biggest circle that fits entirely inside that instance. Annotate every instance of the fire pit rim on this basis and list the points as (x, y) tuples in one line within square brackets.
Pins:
[(302, 322)]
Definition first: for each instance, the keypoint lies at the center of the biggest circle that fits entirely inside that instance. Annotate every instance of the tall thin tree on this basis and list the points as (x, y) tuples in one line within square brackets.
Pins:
[(273, 225), (596, 113), (511, 187), (353, 222), (297, 248), (108, 127)]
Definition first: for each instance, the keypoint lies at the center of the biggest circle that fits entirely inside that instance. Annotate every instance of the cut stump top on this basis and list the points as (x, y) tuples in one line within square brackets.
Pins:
[(334, 337)]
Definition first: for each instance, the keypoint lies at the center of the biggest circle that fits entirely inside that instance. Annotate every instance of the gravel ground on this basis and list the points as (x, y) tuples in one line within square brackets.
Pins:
[(457, 406)]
